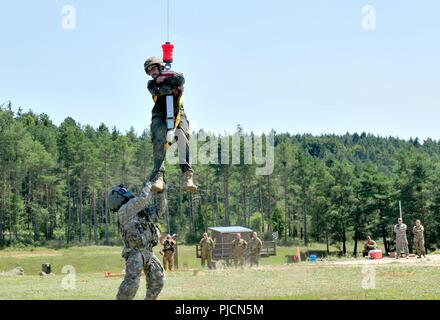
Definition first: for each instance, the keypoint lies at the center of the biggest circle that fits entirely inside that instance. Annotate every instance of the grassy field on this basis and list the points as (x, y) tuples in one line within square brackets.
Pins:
[(273, 280)]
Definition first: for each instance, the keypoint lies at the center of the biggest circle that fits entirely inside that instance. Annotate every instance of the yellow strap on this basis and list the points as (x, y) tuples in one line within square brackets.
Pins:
[(180, 113)]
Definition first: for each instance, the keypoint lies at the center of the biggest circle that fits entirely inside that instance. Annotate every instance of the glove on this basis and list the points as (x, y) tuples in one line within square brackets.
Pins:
[(178, 91), (170, 136)]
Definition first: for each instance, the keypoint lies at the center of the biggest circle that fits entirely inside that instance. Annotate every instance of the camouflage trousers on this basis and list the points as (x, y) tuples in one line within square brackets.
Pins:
[(168, 260), (420, 246), (255, 259), (158, 136), (401, 244), (207, 257), (239, 261), (136, 262)]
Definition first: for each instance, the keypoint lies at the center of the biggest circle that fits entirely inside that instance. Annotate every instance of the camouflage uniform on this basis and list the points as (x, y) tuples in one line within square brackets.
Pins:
[(206, 247), (255, 245), (170, 86), (140, 236), (401, 240), (419, 240), (169, 247), (238, 251)]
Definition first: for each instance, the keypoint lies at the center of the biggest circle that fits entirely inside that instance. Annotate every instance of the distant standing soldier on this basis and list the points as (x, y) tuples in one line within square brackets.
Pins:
[(419, 239), (238, 250), (169, 248), (401, 240), (206, 247), (255, 245)]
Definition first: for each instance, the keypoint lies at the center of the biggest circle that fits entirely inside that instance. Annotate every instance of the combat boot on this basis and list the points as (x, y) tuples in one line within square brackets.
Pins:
[(158, 185), (188, 183)]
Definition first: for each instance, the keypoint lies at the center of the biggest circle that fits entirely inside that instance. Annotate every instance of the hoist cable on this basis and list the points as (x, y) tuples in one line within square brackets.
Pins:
[(168, 20)]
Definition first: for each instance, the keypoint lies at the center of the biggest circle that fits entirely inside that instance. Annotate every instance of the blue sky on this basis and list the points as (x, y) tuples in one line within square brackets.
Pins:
[(295, 66)]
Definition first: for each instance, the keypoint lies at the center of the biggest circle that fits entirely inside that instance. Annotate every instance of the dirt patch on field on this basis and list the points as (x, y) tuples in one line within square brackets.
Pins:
[(395, 274), (27, 254), (430, 260)]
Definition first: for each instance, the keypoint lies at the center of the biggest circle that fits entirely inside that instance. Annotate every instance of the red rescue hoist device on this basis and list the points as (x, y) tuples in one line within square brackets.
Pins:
[(168, 50)]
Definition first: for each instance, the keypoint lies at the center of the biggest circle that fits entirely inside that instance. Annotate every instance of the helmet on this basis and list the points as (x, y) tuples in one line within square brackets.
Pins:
[(118, 197), (153, 60)]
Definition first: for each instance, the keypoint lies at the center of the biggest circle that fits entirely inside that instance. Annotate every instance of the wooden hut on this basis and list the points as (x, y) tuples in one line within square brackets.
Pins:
[(223, 237)]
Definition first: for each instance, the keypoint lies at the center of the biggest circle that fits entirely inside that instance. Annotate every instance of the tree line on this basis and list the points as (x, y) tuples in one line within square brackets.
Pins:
[(332, 189)]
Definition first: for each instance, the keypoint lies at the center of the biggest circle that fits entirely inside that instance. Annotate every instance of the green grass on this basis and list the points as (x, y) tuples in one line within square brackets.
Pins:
[(99, 258), (274, 279)]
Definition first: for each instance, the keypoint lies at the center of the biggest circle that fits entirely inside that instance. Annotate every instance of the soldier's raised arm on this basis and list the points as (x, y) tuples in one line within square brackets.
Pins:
[(159, 90), (129, 210), (176, 81)]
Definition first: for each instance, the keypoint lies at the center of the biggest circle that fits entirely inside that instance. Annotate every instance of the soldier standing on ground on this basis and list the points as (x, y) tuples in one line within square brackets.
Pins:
[(169, 248), (255, 246), (238, 250), (419, 239), (140, 235), (206, 247), (401, 240)]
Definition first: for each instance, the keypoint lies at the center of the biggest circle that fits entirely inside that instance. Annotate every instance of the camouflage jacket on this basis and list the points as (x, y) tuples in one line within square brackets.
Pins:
[(170, 86), (138, 232), (169, 246), (238, 247), (418, 232), (255, 245), (206, 245), (400, 231)]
